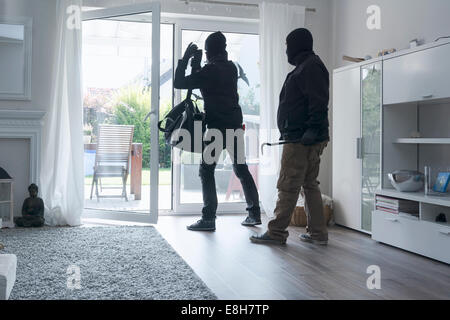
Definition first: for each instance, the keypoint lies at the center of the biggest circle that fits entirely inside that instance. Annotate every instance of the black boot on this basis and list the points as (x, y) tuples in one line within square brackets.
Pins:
[(253, 219), (203, 225)]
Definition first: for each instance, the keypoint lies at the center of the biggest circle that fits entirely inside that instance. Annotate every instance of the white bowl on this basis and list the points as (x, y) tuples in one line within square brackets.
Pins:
[(407, 180)]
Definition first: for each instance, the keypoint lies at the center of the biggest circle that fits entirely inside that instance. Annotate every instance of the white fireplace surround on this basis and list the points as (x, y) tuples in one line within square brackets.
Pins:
[(25, 124)]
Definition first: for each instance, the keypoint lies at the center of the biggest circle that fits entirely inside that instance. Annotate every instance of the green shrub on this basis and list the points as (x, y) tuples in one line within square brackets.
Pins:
[(130, 107)]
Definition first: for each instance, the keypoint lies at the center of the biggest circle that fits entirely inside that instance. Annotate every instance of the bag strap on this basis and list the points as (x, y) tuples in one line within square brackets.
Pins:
[(160, 126), (189, 95)]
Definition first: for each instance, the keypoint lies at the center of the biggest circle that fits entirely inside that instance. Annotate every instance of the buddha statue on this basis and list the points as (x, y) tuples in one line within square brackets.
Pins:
[(32, 210)]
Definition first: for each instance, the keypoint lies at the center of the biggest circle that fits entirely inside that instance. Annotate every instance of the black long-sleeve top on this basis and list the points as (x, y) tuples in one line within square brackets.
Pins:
[(217, 82), (304, 100)]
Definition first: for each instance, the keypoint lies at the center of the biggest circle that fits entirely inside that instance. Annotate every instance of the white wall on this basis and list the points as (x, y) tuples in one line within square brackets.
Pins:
[(401, 21), (43, 12)]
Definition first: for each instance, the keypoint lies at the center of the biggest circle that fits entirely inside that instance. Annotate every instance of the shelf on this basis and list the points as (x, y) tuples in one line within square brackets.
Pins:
[(443, 200), (423, 140)]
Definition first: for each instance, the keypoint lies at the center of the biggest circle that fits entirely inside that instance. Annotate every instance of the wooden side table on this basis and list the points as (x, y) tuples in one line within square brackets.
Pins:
[(10, 201)]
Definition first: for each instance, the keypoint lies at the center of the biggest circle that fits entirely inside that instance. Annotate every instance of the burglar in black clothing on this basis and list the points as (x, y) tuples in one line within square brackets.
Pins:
[(217, 81), (303, 120)]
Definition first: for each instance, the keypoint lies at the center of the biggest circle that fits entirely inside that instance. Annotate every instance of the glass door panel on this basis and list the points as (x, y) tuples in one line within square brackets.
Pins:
[(243, 50), (121, 82), (371, 134)]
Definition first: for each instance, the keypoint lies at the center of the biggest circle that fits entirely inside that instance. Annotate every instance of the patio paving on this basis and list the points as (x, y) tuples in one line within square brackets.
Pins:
[(143, 205)]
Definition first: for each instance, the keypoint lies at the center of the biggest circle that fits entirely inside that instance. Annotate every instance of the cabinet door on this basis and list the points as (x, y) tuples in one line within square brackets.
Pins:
[(417, 76), (371, 140), (346, 131)]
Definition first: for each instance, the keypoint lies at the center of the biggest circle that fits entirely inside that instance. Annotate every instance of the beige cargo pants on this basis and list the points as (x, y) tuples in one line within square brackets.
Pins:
[(299, 171)]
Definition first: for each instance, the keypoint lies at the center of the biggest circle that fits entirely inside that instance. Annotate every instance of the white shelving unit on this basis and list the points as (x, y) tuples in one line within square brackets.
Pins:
[(416, 100), (440, 200), (372, 133), (9, 183)]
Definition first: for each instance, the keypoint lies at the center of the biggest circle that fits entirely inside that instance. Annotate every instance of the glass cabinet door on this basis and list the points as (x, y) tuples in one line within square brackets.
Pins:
[(371, 140)]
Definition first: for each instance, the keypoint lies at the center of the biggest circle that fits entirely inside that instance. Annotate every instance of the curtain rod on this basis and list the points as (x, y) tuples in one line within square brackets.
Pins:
[(232, 4)]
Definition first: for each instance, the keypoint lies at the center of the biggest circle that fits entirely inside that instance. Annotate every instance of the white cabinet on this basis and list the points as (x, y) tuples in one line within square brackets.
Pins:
[(423, 237), (371, 137), (346, 131), (417, 76), (356, 144)]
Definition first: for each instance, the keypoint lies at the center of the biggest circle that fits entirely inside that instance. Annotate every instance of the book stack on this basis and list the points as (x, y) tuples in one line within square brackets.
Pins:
[(401, 207)]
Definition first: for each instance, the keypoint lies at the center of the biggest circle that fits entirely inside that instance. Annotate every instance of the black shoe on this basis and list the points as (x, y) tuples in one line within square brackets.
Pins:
[(251, 221), (203, 225), (305, 237), (266, 239)]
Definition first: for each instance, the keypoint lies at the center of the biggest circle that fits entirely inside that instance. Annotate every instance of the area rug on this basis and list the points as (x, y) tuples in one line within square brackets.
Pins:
[(92, 263)]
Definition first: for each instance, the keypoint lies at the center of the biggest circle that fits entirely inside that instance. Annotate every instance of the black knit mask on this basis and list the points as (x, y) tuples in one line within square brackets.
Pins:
[(215, 44), (298, 41)]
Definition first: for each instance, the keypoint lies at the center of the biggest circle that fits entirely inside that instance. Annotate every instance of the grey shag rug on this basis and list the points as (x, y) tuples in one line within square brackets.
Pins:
[(114, 263)]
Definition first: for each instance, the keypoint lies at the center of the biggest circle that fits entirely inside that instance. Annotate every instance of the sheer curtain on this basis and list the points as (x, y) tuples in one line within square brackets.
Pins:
[(276, 21), (62, 180)]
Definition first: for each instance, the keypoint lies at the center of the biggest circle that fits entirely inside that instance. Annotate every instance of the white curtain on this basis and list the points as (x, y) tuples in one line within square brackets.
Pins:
[(276, 21), (62, 181)]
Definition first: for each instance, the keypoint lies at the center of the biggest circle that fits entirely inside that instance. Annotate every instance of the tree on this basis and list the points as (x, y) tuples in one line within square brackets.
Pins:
[(130, 107)]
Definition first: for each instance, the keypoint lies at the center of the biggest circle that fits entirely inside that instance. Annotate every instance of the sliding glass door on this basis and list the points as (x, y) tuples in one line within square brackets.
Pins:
[(122, 75), (243, 50)]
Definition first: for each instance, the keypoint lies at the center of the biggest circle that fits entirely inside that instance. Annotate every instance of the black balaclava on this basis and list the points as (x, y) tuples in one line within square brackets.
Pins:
[(298, 41), (215, 45)]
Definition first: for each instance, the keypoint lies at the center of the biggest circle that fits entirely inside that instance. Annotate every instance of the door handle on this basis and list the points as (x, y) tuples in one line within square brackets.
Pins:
[(446, 232), (427, 96), (359, 149), (149, 114), (392, 219)]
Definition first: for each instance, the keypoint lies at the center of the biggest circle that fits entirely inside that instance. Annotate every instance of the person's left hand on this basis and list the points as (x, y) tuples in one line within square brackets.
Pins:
[(190, 50)]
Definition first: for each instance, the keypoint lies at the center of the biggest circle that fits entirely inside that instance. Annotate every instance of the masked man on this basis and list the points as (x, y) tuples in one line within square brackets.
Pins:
[(217, 81), (303, 118)]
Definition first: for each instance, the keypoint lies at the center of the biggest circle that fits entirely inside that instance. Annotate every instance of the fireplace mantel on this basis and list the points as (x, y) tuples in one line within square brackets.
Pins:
[(24, 124)]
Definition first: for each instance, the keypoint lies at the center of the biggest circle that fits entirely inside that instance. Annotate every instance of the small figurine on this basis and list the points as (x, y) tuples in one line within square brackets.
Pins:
[(32, 210)]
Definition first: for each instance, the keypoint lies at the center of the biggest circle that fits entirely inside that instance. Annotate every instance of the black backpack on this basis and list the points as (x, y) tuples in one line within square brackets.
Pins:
[(187, 116)]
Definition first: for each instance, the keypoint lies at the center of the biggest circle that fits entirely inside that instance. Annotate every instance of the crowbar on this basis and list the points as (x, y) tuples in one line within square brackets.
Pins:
[(277, 144)]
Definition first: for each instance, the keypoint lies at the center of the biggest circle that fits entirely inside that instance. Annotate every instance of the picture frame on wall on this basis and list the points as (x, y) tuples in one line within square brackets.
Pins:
[(442, 182)]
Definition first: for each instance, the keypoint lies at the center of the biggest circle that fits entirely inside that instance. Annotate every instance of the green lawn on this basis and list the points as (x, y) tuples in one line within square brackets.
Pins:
[(164, 178)]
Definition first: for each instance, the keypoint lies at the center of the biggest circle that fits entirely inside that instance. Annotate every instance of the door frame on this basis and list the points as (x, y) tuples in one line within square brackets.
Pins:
[(155, 9), (207, 24)]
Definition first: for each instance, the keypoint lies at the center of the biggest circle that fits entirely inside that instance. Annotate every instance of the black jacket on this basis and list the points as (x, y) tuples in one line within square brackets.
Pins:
[(304, 100), (217, 82)]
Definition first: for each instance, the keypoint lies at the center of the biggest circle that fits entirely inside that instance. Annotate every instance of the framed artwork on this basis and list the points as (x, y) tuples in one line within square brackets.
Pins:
[(442, 182)]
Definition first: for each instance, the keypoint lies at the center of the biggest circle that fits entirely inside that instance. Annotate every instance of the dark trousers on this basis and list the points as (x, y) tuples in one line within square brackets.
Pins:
[(299, 171), (236, 151)]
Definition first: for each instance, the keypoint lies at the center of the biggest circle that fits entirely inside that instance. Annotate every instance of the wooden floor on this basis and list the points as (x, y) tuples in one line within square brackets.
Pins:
[(234, 268)]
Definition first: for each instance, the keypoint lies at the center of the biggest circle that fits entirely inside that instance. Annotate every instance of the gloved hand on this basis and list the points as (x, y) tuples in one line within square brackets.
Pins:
[(190, 50), (309, 137)]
